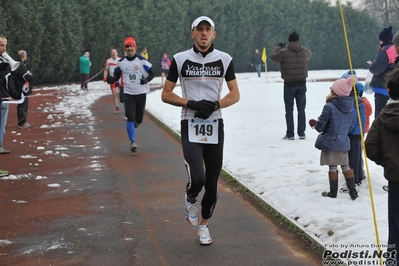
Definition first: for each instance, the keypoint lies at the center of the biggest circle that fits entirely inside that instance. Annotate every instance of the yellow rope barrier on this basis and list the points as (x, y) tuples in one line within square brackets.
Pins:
[(361, 132)]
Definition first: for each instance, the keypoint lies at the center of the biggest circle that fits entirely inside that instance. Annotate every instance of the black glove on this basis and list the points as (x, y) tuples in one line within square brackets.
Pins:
[(121, 94), (217, 106), (203, 114), (206, 113), (201, 105), (117, 83), (281, 44), (143, 80), (110, 80)]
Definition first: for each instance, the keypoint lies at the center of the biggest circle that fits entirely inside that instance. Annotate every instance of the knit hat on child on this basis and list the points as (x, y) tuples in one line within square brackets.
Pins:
[(349, 74), (342, 87)]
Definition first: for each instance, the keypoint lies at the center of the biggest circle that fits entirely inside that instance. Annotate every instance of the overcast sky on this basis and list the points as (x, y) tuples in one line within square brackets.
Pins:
[(354, 2)]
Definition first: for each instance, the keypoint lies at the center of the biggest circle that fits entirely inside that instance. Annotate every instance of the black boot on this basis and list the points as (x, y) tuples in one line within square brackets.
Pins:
[(333, 178), (350, 181)]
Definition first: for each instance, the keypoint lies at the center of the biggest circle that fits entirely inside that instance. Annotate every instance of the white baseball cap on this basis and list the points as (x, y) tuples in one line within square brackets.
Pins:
[(200, 19)]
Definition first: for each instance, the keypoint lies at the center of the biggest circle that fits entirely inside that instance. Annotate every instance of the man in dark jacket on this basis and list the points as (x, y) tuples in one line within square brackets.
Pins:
[(7, 88), (23, 83), (382, 147), (257, 61), (293, 57)]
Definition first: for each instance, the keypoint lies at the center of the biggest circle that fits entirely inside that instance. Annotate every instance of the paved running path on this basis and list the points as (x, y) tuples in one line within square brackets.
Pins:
[(89, 201)]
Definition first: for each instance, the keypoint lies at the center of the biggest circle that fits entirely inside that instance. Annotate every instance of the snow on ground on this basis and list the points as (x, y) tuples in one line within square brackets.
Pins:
[(285, 174)]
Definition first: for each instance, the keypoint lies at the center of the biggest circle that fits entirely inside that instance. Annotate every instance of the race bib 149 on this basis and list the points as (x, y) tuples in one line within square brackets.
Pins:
[(203, 130)]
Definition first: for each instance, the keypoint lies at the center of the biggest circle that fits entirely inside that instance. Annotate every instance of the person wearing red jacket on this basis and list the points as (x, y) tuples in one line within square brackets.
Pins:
[(369, 112)]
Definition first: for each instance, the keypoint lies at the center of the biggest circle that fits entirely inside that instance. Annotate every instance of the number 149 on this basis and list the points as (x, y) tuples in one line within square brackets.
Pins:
[(203, 130)]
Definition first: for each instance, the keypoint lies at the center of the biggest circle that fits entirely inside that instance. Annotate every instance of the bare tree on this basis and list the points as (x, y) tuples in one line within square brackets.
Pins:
[(386, 11)]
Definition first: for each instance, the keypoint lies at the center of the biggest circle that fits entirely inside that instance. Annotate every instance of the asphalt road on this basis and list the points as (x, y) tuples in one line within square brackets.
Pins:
[(82, 198)]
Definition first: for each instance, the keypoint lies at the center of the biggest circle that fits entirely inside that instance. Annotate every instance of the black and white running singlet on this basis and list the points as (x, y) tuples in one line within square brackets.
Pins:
[(201, 77)]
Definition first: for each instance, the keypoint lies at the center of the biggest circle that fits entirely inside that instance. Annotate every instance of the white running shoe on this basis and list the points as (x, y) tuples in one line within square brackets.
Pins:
[(191, 211), (133, 146), (203, 235)]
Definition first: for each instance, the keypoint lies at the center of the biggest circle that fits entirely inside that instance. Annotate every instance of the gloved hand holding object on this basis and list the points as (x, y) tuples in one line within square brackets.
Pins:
[(312, 123)]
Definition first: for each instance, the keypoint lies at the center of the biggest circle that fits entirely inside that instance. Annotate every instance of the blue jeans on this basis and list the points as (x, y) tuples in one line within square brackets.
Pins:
[(3, 122), (258, 67), (299, 95)]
